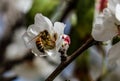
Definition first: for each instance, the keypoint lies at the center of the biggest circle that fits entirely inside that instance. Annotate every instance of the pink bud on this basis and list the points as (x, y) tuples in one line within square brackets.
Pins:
[(66, 38)]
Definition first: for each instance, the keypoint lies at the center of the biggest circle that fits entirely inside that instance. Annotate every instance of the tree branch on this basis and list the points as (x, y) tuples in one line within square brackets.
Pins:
[(72, 57), (7, 78)]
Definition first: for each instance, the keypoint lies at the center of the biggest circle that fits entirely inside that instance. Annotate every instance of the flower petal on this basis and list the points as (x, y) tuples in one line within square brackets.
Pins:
[(112, 5), (59, 28), (43, 22), (23, 5), (52, 52), (114, 53), (48, 22), (27, 40), (33, 30), (59, 43), (104, 27), (117, 12)]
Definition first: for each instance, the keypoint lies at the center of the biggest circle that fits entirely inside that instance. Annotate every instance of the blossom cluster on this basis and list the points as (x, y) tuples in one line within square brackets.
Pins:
[(107, 26), (44, 38)]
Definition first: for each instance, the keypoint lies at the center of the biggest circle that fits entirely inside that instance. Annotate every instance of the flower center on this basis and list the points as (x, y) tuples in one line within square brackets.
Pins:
[(47, 41)]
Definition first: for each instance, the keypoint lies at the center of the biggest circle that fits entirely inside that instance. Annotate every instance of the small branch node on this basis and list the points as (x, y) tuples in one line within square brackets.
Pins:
[(63, 55)]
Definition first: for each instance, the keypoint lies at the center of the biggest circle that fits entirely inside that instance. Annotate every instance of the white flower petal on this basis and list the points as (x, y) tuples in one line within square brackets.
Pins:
[(43, 22), (104, 27), (117, 12), (33, 30), (27, 40), (112, 5), (59, 28), (23, 5), (52, 52), (59, 43), (114, 53), (48, 22), (107, 13), (101, 33)]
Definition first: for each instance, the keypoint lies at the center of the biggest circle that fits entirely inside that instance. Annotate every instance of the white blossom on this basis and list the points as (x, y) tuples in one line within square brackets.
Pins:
[(16, 49), (107, 26), (23, 5), (44, 38), (117, 13), (104, 27), (112, 5)]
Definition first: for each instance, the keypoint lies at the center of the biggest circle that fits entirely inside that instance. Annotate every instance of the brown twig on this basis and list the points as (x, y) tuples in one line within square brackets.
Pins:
[(64, 64), (7, 78)]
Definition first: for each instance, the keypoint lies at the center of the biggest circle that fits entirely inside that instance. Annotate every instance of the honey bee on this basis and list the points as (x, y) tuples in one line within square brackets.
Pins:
[(44, 41)]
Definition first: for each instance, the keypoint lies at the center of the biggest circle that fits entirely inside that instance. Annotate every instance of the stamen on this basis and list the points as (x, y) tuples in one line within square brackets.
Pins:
[(55, 36)]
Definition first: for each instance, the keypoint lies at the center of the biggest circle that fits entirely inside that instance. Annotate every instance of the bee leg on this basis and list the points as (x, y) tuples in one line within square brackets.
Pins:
[(42, 49)]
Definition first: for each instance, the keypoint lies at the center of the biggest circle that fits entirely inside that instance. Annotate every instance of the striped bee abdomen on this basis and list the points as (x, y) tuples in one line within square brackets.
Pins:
[(40, 46)]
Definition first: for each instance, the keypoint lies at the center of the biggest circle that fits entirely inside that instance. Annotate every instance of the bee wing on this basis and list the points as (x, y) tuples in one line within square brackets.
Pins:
[(33, 38), (27, 40)]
